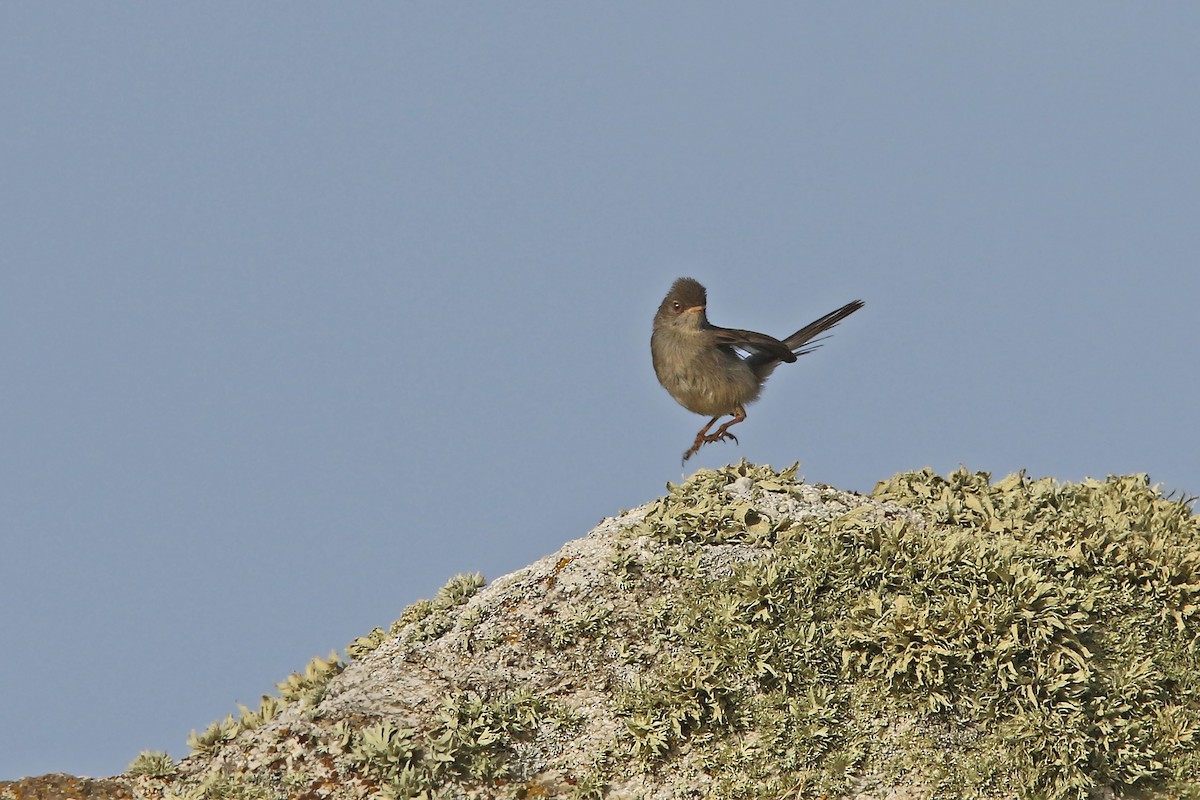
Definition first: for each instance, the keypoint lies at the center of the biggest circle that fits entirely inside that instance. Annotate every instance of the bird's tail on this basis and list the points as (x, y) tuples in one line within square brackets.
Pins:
[(809, 332)]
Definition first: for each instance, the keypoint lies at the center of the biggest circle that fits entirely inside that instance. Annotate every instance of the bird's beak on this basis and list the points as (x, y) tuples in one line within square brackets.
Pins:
[(694, 310)]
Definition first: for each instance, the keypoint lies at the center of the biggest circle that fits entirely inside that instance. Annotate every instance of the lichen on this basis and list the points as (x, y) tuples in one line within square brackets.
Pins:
[(470, 739), (1053, 622)]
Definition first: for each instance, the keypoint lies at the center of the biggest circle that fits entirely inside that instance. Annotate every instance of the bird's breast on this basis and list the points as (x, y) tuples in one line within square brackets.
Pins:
[(703, 378)]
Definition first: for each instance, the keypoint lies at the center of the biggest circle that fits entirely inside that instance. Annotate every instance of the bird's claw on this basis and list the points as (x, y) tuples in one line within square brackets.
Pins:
[(721, 436), (711, 438)]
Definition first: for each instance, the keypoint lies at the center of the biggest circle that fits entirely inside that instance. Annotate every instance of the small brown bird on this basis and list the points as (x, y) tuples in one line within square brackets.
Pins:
[(718, 371)]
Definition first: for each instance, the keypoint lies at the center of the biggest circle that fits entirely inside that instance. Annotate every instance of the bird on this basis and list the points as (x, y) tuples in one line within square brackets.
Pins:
[(717, 371)]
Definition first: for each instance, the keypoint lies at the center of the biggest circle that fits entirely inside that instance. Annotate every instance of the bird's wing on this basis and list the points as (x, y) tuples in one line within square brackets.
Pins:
[(758, 346)]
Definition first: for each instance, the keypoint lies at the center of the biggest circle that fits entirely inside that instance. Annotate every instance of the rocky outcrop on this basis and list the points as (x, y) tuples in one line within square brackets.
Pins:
[(749, 635)]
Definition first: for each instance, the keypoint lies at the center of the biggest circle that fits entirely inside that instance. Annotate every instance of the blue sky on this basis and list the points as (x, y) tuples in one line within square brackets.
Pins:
[(307, 307)]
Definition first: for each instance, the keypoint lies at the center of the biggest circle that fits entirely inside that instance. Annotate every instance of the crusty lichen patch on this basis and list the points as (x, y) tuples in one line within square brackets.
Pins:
[(66, 787), (1028, 637), (750, 636)]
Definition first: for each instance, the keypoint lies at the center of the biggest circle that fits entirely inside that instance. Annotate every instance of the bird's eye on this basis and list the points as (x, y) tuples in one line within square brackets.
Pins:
[(675, 304)]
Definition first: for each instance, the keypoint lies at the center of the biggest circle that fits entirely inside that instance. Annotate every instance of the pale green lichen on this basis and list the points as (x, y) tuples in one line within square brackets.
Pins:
[(1051, 622), (152, 764), (470, 739), (307, 688), (214, 737), (427, 619), (363, 645), (219, 786)]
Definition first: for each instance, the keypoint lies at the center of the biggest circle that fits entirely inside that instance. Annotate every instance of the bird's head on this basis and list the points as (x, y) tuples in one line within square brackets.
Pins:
[(684, 305)]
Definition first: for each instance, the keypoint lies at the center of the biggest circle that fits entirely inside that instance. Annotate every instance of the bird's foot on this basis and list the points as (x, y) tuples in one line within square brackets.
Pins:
[(721, 436), (704, 439)]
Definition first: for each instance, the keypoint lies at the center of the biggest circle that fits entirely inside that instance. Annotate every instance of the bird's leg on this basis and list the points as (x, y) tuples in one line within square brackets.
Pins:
[(701, 438), (722, 432)]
